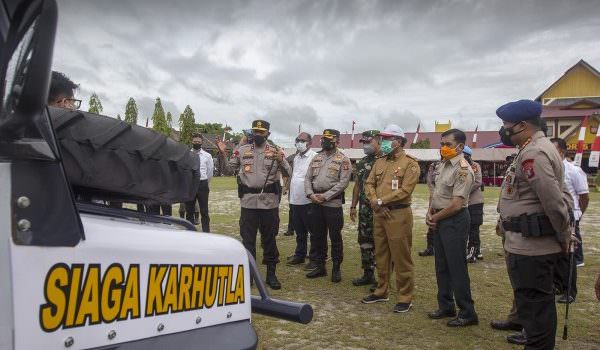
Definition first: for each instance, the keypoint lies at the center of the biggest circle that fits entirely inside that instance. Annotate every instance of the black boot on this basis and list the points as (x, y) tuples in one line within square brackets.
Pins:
[(319, 271), (367, 278), (272, 280), (336, 273), (427, 252)]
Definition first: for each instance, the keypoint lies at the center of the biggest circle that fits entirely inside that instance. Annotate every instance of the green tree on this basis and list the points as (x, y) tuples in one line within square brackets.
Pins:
[(187, 125), (159, 121), (95, 104), (131, 112), (421, 144)]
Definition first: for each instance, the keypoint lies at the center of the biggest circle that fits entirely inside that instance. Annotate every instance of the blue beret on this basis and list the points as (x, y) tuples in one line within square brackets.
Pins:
[(468, 150), (519, 111)]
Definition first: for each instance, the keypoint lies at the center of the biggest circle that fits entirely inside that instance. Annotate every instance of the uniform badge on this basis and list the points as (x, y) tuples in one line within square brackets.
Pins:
[(394, 184), (462, 176), (509, 189), (527, 168), (247, 168)]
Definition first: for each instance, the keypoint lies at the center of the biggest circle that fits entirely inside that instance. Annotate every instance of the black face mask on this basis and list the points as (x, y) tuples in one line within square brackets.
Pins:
[(196, 145), (327, 144), (506, 133), (259, 140)]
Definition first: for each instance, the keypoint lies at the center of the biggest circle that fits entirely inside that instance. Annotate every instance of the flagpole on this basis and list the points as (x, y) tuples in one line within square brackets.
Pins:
[(417, 133), (352, 139)]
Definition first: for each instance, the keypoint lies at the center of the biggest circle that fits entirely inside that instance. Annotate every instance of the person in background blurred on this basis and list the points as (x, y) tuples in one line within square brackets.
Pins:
[(206, 173)]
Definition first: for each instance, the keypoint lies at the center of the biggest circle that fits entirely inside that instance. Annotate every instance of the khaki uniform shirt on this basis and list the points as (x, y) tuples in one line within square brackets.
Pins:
[(476, 197), (453, 178), (252, 166), (393, 178), (534, 185), (328, 175)]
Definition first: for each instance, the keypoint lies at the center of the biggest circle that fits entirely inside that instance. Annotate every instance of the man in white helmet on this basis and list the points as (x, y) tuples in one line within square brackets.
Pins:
[(389, 188)]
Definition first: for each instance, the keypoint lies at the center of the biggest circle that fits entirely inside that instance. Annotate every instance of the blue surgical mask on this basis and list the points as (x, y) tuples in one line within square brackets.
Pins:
[(386, 146)]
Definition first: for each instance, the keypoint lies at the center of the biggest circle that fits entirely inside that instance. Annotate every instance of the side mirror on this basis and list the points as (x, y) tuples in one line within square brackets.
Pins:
[(25, 64)]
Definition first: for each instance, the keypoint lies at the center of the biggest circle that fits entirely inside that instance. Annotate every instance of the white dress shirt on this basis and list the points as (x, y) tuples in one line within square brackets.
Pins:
[(207, 165), (576, 182), (299, 169)]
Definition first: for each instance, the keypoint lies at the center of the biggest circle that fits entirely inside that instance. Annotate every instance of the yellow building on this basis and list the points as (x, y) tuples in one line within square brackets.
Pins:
[(575, 95)]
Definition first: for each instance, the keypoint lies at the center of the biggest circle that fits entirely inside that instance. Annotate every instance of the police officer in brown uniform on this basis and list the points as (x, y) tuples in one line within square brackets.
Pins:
[(389, 188), (475, 207), (259, 166), (534, 218), (449, 217), (327, 177)]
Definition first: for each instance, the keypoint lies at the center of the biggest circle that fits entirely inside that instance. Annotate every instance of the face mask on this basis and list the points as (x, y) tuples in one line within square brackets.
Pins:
[(368, 148), (386, 146), (327, 144), (196, 146), (448, 153), (301, 146), (506, 133), (259, 140)]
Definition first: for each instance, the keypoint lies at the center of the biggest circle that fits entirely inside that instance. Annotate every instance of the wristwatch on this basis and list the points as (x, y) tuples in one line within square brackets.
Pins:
[(379, 202)]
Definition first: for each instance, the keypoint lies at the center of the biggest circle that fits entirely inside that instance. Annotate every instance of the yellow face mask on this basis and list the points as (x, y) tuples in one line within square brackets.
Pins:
[(448, 153)]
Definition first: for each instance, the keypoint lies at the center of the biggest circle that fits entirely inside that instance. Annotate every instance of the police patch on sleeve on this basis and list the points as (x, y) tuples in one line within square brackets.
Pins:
[(527, 168)]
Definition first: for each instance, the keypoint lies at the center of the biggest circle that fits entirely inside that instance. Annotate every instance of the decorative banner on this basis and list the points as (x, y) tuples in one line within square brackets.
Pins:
[(595, 155), (580, 142)]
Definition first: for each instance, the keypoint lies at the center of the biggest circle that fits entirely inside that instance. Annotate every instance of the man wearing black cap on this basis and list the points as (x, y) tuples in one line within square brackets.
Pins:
[(259, 166), (534, 219), (370, 142), (326, 179)]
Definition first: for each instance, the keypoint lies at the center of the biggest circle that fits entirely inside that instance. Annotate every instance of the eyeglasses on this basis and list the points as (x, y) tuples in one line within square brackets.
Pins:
[(72, 102)]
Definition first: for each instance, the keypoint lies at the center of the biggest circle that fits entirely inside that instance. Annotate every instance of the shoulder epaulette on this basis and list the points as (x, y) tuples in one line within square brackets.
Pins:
[(464, 164)]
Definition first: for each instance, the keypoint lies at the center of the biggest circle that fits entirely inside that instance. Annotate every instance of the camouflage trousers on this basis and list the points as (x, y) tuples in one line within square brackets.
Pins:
[(365, 236)]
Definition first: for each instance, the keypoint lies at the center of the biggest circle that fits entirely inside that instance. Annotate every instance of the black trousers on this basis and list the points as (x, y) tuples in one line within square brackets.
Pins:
[(202, 198), (155, 209), (326, 220), (290, 227), (266, 221), (579, 249), (561, 275), (532, 279), (476, 216), (301, 224), (429, 238), (452, 274)]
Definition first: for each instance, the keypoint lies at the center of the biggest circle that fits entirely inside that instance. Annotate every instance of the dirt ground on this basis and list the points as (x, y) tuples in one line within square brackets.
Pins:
[(342, 322)]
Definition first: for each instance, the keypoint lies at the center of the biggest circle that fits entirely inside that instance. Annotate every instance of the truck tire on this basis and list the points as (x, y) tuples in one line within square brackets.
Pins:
[(108, 159)]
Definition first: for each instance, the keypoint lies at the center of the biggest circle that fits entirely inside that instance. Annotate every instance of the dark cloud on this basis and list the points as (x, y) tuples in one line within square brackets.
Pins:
[(324, 63)]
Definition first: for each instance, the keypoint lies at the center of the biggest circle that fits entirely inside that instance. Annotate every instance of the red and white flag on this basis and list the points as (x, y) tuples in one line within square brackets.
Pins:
[(352, 139), (417, 133), (147, 122), (474, 143), (595, 155), (580, 142)]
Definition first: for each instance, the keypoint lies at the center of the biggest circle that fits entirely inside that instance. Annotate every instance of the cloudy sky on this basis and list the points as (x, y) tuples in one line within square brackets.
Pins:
[(323, 63)]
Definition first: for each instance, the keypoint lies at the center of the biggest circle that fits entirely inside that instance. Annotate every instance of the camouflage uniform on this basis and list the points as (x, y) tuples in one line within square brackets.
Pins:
[(365, 214)]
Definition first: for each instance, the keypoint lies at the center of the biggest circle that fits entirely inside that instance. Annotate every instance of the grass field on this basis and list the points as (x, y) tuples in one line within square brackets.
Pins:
[(342, 322)]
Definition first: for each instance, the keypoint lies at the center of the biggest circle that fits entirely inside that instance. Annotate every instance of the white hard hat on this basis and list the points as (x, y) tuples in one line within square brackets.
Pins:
[(392, 130)]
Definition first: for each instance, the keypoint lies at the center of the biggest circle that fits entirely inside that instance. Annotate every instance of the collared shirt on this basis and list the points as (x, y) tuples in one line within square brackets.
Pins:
[(576, 182), (453, 178), (299, 168), (328, 175), (207, 165), (534, 184), (393, 178)]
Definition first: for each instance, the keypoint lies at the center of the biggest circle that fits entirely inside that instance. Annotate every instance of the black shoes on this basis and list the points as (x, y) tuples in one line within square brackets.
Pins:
[(288, 233), (438, 314), (517, 338), (318, 271), (336, 273), (295, 260), (463, 322), (372, 298), (367, 278), (272, 280), (427, 252), (505, 325), (563, 299), (402, 307), (310, 266)]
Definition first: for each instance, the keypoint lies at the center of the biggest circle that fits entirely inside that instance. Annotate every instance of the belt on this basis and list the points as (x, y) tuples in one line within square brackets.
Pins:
[(339, 196), (397, 206), (535, 225)]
